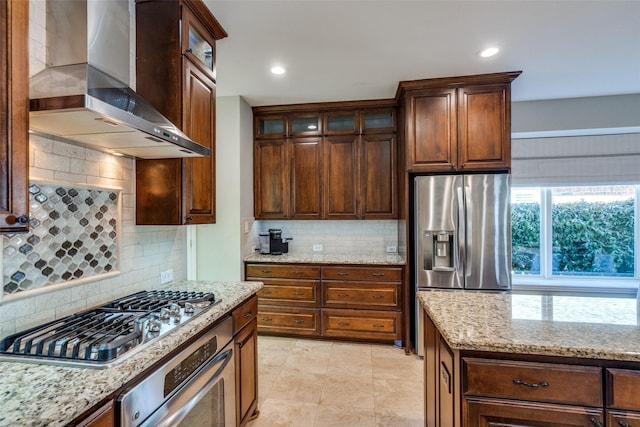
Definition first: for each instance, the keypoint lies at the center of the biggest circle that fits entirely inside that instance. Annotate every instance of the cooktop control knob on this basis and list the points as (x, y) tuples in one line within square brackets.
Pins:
[(154, 323), (188, 308)]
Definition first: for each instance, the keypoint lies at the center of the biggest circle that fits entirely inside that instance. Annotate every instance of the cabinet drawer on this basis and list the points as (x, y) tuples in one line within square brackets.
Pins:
[(245, 313), (289, 292), (541, 382), (377, 274), (286, 271), (361, 324), (298, 321), (360, 295), (503, 413), (623, 386), (623, 419)]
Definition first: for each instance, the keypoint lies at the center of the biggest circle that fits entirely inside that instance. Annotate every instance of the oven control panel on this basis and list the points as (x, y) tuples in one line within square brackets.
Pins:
[(189, 365)]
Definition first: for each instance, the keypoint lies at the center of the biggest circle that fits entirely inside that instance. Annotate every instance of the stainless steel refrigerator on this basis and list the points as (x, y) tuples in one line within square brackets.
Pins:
[(462, 235)]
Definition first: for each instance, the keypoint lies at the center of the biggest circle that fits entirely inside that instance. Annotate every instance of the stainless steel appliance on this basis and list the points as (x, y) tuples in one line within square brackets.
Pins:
[(194, 388), (462, 235), (277, 244), (103, 336), (84, 96)]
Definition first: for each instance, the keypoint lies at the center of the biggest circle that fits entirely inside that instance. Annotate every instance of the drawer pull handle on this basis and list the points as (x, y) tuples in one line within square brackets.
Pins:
[(298, 272), (297, 321), (541, 384), (377, 274), (267, 271), (247, 315), (596, 422), (376, 296), (344, 324), (342, 295), (623, 424), (378, 325), (266, 292), (343, 273), (267, 319), (298, 293)]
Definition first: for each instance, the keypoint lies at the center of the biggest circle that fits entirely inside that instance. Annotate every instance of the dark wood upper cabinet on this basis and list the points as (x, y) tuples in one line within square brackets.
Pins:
[(176, 71), (341, 183), (378, 176), (306, 178), (14, 116), (328, 145), (458, 123), (271, 179)]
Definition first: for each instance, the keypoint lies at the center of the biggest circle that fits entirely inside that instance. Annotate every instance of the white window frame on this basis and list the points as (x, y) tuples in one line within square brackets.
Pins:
[(546, 281)]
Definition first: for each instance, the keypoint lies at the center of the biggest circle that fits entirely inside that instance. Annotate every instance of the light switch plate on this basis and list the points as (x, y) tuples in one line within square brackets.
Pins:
[(392, 249), (317, 248)]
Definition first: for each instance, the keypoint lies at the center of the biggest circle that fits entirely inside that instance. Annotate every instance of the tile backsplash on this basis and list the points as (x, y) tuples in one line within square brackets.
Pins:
[(73, 234), (362, 237), (144, 251)]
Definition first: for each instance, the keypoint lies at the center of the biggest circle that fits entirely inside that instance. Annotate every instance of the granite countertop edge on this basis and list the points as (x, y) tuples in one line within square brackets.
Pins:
[(312, 258), (464, 329), (30, 392)]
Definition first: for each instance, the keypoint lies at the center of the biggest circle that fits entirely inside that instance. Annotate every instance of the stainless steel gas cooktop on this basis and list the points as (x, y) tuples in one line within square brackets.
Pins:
[(105, 335)]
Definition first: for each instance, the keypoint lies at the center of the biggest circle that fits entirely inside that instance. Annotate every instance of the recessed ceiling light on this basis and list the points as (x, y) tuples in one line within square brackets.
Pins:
[(489, 52), (115, 153), (278, 70)]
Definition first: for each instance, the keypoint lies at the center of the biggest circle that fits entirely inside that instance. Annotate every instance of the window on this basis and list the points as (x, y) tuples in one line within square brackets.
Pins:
[(563, 236)]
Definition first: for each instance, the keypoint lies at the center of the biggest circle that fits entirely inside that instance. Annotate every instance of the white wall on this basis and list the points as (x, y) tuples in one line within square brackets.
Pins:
[(219, 246)]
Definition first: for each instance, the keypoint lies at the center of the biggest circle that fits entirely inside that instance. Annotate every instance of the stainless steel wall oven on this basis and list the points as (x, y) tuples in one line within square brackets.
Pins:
[(196, 387)]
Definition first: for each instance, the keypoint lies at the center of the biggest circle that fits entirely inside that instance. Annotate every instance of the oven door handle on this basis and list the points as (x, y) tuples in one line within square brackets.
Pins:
[(178, 407)]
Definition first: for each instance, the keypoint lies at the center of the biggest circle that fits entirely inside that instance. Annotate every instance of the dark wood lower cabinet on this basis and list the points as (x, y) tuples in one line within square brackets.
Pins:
[(246, 357), (352, 302), (623, 418), (101, 417), (505, 413)]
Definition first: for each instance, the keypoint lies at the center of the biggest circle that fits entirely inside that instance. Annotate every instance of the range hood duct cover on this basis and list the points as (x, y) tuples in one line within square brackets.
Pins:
[(84, 96)]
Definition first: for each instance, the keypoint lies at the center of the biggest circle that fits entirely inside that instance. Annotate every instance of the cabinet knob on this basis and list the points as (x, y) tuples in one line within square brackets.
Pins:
[(343, 273), (343, 324), (189, 218), (266, 319), (298, 293), (342, 295), (376, 296), (297, 321), (188, 50), (378, 325), (596, 422), (247, 315), (377, 274), (623, 424), (20, 219)]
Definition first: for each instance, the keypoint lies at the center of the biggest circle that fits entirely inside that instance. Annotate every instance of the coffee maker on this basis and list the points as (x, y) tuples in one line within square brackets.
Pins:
[(277, 244)]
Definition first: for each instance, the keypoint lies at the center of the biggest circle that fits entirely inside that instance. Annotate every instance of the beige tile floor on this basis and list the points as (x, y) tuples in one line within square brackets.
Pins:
[(310, 383)]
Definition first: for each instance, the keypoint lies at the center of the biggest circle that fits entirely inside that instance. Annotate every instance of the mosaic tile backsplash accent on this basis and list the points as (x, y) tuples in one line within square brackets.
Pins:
[(72, 235)]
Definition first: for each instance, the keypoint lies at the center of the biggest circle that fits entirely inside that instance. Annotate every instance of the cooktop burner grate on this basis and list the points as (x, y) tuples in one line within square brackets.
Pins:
[(101, 335), (154, 300)]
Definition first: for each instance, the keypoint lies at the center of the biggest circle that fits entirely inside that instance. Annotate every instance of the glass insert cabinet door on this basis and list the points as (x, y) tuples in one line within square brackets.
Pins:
[(307, 124), (379, 120), (271, 127), (200, 48), (341, 123)]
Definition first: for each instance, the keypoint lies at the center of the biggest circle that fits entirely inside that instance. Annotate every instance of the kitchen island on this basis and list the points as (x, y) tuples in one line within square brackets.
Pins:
[(47, 395), (530, 359)]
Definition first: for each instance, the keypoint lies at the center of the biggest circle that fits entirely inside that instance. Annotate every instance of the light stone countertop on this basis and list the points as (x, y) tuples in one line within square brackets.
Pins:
[(319, 258), (46, 395), (553, 325)]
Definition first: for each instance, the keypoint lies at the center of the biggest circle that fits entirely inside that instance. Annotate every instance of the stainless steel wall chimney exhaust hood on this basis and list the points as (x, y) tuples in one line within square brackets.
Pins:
[(83, 95)]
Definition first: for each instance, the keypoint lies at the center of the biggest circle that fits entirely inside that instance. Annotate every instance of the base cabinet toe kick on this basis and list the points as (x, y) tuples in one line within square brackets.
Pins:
[(469, 389)]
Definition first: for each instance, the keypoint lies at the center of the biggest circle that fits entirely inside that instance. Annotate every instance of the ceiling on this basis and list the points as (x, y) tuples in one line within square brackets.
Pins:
[(359, 49)]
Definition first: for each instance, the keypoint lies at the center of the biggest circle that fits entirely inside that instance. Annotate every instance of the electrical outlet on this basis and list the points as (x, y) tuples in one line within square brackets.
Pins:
[(246, 227), (392, 249), (317, 248), (166, 277)]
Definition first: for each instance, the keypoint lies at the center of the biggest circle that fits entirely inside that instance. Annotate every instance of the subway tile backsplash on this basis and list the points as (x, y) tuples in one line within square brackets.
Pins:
[(73, 234), (361, 237)]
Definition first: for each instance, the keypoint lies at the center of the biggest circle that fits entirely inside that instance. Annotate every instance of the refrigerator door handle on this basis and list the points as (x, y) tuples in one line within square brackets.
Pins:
[(468, 244), (461, 226), (427, 250)]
